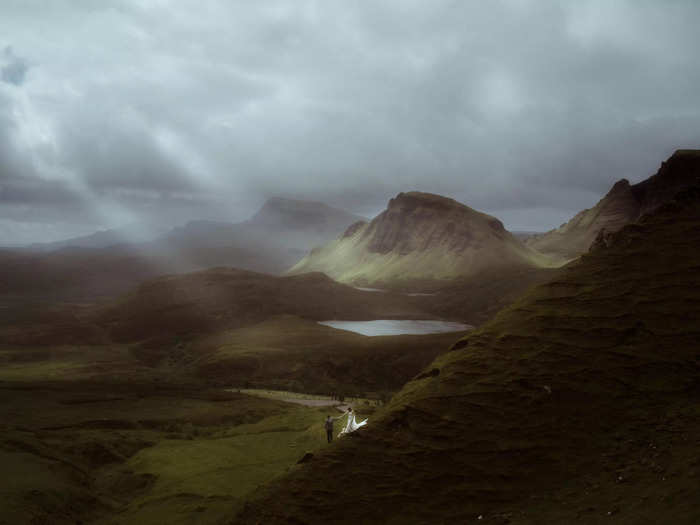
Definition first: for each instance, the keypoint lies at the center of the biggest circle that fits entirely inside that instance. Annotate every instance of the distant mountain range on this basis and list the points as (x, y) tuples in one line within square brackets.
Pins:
[(624, 203), (420, 236), (420, 240), (131, 233), (275, 238), (102, 264)]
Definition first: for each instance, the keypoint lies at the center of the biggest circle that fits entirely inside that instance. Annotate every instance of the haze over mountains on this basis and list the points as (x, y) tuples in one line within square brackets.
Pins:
[(420, 236), (275, 238), (106, 264)]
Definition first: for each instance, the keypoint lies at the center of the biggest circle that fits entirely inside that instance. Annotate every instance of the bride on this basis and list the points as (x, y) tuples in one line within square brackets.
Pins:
[(351, 424)]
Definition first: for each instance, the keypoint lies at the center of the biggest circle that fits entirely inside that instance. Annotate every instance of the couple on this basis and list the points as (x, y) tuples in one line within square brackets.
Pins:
[(350, 426)]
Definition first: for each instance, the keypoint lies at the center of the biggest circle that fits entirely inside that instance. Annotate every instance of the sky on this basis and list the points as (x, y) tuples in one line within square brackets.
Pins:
[(159, 112)]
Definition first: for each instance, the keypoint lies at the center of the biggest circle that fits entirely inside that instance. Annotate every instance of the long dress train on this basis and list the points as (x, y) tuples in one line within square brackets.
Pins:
[(351, 424)]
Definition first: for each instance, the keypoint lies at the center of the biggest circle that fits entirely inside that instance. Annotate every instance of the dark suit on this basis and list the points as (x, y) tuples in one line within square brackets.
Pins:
[(329, 429)]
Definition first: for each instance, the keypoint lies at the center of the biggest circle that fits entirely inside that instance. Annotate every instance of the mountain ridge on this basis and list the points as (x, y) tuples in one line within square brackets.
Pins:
[(624, 203)]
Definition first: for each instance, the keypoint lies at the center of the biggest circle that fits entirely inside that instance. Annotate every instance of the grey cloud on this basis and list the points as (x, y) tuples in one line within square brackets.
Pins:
[(14, 69), (526, 109)]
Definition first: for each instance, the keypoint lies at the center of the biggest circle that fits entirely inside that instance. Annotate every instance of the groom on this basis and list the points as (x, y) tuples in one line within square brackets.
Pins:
[(329, 426)]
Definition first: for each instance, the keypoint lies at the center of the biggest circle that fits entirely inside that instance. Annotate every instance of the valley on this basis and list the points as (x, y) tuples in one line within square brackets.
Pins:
[(528, 389)]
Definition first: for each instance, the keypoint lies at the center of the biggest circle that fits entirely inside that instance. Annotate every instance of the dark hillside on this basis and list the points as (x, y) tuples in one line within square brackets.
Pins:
[(577, 404), (225, 298)]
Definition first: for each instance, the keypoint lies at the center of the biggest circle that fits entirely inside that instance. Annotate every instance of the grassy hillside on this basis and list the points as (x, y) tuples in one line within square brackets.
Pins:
[(77, 453), (419, 237), (295, 354), (231, 328), (579, 403), (225, 298)]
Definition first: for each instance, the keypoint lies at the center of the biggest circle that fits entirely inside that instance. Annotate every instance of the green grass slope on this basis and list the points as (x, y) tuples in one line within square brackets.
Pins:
[(124, 454), (580, 403)]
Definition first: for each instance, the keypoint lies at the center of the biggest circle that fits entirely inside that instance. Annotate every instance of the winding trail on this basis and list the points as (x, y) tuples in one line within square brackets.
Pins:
[(302, 399)]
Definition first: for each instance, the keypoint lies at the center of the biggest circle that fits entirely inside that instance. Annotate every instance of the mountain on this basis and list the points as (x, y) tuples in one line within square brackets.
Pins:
[(420, 236), (287, 214), (624, 203), (275, 238), (94, 267), (103, 238), (576, 404)]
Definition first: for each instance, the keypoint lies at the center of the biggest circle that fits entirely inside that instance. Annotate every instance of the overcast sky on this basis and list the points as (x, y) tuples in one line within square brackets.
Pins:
[(113, 113)]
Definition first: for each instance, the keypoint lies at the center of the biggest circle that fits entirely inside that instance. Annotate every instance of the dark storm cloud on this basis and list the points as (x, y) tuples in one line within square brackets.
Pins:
[(14, 68), (526, 109)]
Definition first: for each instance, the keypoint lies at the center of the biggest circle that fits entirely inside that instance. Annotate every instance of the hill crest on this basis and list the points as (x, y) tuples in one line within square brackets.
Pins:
[(419, 236)]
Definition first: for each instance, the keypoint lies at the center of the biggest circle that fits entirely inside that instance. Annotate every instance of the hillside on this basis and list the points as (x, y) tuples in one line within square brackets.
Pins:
[(578, 403), (624, 203), (289, 353), (177, 306), (419, 237)]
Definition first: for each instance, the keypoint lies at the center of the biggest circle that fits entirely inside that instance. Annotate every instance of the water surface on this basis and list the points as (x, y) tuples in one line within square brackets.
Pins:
[(397, 327)]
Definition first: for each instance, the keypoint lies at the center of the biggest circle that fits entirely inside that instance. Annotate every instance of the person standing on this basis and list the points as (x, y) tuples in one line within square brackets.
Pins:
[(329, 427)]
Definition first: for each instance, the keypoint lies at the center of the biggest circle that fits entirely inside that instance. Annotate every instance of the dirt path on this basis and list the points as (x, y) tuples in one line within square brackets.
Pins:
[(301, 399), (310, 402), (340, 407)]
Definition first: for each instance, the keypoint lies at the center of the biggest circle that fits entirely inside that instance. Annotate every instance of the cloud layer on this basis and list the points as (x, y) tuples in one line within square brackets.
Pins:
[(529, 110)]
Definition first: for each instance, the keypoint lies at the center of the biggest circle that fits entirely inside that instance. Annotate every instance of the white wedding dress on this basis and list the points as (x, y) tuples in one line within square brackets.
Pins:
[(351, 424)]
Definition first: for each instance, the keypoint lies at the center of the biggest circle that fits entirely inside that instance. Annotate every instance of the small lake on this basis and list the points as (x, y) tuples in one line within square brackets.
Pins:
[(397, 327)]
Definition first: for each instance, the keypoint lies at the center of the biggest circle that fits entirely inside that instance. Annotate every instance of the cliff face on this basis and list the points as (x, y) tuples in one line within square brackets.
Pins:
[(624, 203), (419, 236)]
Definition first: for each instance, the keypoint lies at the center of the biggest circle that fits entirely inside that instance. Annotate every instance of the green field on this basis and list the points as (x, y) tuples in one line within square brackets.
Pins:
[(98, 433), (121, 455)]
